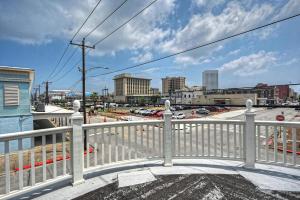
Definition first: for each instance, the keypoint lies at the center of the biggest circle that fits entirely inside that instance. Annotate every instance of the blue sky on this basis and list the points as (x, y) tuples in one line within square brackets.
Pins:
[(34, 34)]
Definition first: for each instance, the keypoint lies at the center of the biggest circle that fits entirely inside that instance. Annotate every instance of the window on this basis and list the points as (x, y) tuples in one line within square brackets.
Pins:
[(11, 95)]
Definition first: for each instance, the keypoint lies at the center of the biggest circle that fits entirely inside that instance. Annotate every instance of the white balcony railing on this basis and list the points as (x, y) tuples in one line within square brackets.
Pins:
[(58, 153)]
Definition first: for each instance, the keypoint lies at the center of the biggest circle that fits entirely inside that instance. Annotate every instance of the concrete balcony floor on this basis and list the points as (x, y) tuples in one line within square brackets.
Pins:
[(187, 179)]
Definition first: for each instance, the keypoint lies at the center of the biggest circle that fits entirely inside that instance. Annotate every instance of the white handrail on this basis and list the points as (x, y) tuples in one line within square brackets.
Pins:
[(25, 134), (278, 123), (122, 123)]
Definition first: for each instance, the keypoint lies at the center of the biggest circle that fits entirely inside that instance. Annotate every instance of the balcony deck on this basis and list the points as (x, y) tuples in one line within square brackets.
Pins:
[(191, 178)]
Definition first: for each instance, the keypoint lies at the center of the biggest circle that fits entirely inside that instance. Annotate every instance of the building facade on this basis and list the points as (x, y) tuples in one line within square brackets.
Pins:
[(170, 84), (210, 79), (187, 95), (131, 89), (15, 104)]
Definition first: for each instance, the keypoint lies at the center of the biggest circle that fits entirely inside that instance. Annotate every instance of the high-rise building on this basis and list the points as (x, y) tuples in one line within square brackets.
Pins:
[(170, 84), (210, 79), (131, 89)]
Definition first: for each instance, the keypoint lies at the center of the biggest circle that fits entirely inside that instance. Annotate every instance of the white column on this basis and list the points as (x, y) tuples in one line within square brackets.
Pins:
[(77, 145), (249, 137), (167, 136)]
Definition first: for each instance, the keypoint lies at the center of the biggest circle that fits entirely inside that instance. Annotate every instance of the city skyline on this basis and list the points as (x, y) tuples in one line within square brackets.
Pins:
[(260, 56)]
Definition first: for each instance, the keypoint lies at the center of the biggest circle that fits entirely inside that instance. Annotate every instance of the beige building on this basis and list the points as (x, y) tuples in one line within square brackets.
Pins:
[(233, 99), (131, 89), (172, 84)]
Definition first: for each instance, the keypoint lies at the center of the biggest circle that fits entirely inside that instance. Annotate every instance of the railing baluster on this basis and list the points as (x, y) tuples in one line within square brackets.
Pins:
[(123, 143), (7, 167), (87, 149), (129, 142), (240, 141), (159, 141), (294, 141), (184, 139), (116, 144), (221, 140), (202, 139), (135, 142), (64, 153), (173, 139), (275, 145), (258, 143), (178, 142), (284, 144), (44, 157), (109, 145), (54, 155), (197, 140), (191, 140), (32, 171), (102, 147), (234, 140), (228, 153), (147, 129), (20, 156), (215, 140), (153, 140), (142, 138), (266, 144), (208, 140), (95, 148)]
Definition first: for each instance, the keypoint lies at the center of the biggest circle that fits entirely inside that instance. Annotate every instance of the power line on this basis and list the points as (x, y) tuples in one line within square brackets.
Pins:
[(126, 22), (65, 64), (199, 46), (73, 67), (86, 20), (67, 72), (105, 19), (67, 47), (60, 59)]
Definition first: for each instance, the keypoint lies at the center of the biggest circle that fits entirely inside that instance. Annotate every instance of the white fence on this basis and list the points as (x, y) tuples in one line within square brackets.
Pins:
[(59, 153)]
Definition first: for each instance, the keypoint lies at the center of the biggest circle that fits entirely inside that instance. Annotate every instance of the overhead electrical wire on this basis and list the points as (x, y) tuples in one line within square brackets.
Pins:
[(67, 47), (126, 22), (104, 20), (199, 46)]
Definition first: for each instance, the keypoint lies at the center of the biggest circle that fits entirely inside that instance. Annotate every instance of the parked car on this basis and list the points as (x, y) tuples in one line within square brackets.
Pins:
[(180, 116), (202, 111), (159, 114), (178, 107)]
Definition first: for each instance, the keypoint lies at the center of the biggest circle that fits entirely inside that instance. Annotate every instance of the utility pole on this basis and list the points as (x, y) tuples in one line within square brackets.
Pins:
[(83, 46), (47, 92)]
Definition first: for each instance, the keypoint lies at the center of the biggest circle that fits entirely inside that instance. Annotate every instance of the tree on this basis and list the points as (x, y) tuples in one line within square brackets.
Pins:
[(94, 97)]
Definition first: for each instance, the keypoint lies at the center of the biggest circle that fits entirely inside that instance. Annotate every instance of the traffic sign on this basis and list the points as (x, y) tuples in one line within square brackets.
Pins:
[(280, 118)]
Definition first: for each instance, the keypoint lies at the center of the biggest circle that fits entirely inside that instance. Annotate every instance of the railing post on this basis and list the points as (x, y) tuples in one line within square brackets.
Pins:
[(77, 145), (249, 137), (167, 136)]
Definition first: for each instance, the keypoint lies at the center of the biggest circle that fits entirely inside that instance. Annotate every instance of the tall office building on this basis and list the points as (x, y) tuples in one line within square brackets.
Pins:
[(130, 89), (210, 79), (170, 84)]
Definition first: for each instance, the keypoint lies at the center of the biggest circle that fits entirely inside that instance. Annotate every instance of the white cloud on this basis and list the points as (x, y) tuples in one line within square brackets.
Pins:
[(151, 70), (208, 3), (39, 22), (234, 52), (142, 57), (251, 64), (204, 28)]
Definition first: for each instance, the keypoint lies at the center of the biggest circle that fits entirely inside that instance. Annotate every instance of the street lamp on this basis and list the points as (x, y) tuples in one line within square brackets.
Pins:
[(92, 68)]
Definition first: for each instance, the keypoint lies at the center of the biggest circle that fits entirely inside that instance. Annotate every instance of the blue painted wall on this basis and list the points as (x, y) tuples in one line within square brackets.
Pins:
[(16, 118)]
